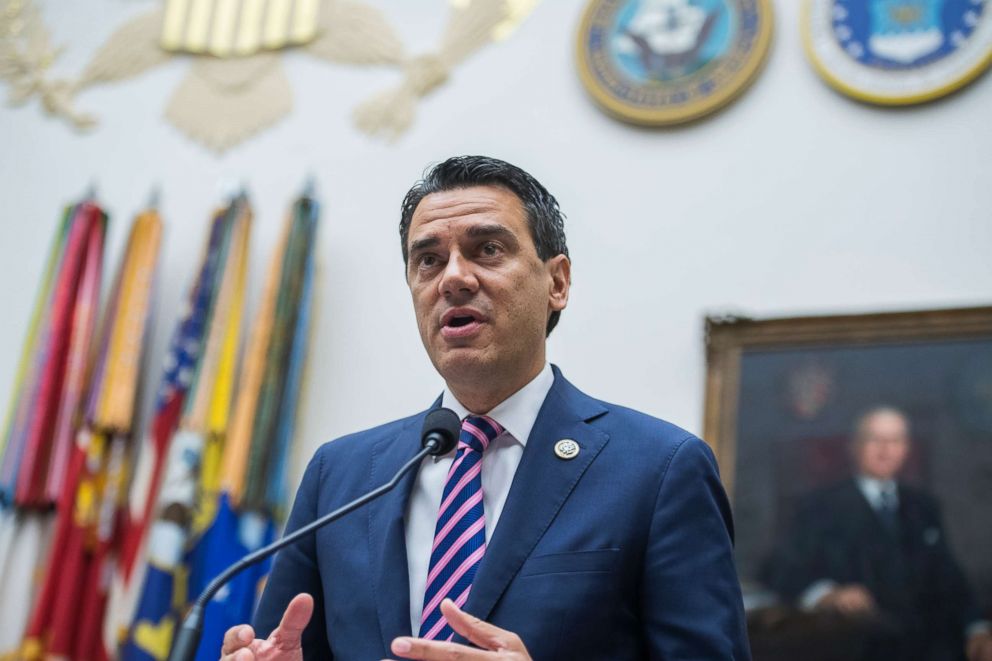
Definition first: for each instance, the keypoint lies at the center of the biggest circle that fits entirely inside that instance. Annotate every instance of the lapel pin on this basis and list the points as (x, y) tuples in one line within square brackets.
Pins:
[(566, 449)]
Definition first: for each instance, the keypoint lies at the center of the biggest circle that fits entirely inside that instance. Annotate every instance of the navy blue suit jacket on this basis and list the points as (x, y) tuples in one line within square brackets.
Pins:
[(624, 552)]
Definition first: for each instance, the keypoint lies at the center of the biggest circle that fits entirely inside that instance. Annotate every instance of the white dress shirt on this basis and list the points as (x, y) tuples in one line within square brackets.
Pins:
[(516, 415), (872, 489)]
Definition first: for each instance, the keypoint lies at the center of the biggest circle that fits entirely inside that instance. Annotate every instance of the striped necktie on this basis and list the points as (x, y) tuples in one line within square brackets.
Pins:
[(460, 535)]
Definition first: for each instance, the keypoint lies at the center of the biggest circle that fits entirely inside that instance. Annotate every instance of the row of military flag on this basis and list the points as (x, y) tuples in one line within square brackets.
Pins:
[(110, 528)]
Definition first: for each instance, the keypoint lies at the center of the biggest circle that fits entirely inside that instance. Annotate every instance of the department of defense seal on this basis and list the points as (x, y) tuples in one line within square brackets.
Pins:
[(659, 62), (898, 52)]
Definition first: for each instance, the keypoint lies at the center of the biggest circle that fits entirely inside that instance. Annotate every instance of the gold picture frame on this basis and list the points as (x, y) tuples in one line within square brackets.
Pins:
[(728, 337)]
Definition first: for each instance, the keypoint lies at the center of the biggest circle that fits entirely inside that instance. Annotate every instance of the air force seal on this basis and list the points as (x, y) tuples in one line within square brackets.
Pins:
[(659, 62), (898, 52)]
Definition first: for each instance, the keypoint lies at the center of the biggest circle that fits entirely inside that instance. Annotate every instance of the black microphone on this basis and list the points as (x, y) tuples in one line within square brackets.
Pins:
[(440, 432), (438, 437)]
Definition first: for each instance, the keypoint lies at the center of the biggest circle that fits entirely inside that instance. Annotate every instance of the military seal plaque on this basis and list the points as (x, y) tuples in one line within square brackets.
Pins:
[(898, 52), (661, 62)]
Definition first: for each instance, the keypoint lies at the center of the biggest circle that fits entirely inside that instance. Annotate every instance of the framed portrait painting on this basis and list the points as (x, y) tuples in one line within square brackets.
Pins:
[(783, 395)]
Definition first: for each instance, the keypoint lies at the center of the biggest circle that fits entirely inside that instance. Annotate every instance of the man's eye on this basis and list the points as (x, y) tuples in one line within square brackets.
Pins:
[(490, 249), (427, 261)]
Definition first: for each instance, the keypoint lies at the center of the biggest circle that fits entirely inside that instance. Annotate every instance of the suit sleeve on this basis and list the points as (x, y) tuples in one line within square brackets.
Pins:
[(295, 571), (692, 606), (799, 561)]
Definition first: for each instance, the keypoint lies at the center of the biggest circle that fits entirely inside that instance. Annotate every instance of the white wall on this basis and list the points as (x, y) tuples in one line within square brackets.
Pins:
[(793, 200)]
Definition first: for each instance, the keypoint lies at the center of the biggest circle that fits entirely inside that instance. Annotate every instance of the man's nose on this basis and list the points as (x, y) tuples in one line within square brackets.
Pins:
[(458, 277)]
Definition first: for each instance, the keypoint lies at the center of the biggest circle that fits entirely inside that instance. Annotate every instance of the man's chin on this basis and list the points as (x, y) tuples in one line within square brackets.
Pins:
[(460, 363)]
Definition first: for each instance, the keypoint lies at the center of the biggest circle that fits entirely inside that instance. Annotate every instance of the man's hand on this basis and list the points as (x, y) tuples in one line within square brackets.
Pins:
[(850, 599), (284, 644), (496, 643), (980, 646)]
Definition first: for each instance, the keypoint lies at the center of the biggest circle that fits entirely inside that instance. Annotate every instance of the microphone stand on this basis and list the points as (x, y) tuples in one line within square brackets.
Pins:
[(188, 636)]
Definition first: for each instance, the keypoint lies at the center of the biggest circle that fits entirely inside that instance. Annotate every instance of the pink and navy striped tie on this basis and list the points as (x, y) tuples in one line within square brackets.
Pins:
[(460, 535)]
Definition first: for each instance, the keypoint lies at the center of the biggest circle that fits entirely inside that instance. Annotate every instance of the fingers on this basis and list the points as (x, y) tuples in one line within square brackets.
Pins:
[(289, 633), (849, 600), (435, 650), (858, 600), (980, 647), (237, 638), (490, 638), (485, 635)]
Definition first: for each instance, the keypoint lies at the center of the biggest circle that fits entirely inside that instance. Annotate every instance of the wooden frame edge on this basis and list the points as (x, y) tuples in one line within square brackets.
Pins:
[(727, 336)]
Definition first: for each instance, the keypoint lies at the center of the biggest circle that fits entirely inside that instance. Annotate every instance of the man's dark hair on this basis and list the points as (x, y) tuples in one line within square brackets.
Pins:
[(547, 223)]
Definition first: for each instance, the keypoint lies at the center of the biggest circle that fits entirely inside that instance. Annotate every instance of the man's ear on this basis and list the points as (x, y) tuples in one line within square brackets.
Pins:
[(560, 270)]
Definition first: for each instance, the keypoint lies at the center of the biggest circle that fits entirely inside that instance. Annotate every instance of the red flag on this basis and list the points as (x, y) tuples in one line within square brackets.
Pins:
[(34, 464)]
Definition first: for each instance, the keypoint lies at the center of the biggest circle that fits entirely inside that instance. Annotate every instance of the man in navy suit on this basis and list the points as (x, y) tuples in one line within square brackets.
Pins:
[(607, 534)]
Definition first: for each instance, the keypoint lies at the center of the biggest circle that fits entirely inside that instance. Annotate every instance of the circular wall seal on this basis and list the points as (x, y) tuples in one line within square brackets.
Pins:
[(660, 62), (898, 52)]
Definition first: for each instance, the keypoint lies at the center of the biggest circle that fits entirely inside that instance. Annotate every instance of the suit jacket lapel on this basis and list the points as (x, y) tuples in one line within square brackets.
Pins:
[(541, 485), (387, 541)]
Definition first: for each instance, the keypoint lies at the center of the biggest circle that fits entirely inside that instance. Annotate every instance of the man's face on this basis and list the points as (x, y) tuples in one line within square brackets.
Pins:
[(883, 446), (481, 293)]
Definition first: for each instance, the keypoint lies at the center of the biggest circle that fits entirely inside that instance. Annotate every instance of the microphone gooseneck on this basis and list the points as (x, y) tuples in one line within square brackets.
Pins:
[(438, 437)]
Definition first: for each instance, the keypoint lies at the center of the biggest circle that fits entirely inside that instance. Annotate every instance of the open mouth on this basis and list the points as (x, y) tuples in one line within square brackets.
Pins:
[(457, 323)]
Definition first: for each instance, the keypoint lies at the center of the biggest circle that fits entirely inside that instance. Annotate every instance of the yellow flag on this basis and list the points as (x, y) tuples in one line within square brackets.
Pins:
[(239, 435), (116, 408)]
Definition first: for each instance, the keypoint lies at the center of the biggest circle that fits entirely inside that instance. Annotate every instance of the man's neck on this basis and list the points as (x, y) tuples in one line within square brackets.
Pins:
[(482, 400), (877, 479)]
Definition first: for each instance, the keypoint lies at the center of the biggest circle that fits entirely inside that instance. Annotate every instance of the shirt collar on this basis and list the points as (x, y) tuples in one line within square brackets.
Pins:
[(872, 489), (518, 412)]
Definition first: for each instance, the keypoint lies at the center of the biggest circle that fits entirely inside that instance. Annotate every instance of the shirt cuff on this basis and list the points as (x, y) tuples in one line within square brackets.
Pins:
[(807, 600)]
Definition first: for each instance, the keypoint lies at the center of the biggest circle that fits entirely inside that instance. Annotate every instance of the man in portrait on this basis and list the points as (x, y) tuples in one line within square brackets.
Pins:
[(562, 526), (875, 548)]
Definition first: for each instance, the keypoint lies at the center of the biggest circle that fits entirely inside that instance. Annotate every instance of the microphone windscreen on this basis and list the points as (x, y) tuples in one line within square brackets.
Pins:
[(444, 425)]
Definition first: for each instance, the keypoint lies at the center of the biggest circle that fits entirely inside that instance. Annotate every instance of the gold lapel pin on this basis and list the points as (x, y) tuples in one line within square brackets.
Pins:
[(566, 448)]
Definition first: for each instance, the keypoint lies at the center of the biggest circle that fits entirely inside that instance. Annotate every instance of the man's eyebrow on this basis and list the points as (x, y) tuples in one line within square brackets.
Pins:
[(490, 229), (473, 232), (424, 243)]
